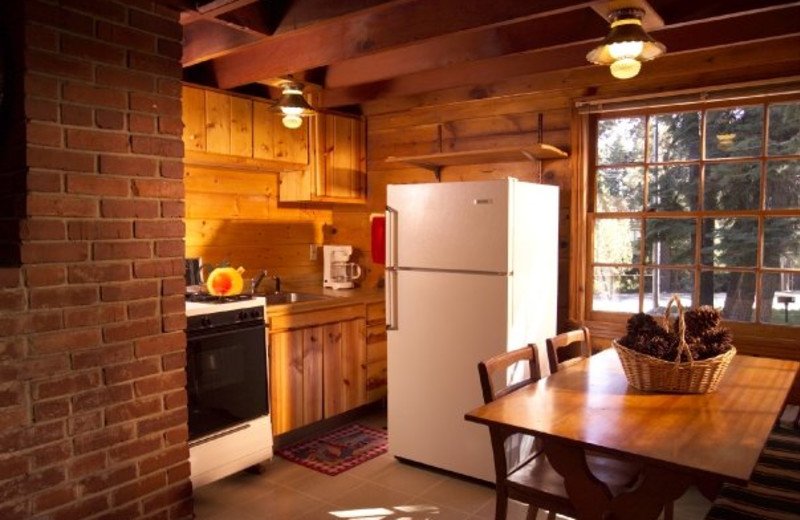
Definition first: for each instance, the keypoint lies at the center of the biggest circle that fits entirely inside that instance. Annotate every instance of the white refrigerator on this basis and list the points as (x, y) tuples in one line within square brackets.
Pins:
[(471, 271)]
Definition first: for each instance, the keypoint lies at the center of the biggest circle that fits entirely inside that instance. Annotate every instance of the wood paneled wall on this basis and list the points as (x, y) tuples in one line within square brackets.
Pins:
[(233, 215), (468, 125)]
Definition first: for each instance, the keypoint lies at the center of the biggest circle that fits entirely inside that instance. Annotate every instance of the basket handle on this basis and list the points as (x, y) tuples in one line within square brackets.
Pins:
[(682, 346)]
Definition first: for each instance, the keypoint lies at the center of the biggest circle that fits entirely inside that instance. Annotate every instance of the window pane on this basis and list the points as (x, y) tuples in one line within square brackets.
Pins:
[(784, 129), (734, 132), (661, 284), (673, 188), (729, 242), (620, 140), (782, 243), (669, 241), (616, 289), (783, 184), (616, 241), (731, 292), (732, 186), (675, 137), (620, 189), (780, 302)]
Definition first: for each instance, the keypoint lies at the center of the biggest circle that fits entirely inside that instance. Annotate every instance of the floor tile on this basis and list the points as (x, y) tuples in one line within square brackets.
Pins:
[(459, 494)]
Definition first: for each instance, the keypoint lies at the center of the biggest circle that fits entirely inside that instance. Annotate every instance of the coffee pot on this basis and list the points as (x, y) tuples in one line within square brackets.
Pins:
[(338, 271)]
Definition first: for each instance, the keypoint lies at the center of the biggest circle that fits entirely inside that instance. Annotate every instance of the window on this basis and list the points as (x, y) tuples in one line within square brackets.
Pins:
[(701, 202)]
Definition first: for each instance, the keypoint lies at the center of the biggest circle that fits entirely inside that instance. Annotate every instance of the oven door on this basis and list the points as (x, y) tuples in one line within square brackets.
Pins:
[(226, 378)]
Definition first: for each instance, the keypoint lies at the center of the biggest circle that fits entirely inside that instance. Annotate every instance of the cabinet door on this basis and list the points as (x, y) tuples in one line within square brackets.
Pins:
[(376, 351), (286, 370), (343, 158), (194, 119), (345, 365), (337, 166), (313, 341)]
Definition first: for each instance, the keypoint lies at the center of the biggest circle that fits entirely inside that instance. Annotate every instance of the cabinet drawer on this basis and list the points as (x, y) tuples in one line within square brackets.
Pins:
[(307, 319), (376, 312)]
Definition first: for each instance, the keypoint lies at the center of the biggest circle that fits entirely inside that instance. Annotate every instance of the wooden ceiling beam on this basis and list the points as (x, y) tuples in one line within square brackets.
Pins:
[(396, 23), (747, 61), (213, 10), (529, 34), (204, 40), (682, 38)]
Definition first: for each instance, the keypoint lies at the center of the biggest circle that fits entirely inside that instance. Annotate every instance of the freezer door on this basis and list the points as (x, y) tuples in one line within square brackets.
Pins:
[(461, 226), (445, 324)]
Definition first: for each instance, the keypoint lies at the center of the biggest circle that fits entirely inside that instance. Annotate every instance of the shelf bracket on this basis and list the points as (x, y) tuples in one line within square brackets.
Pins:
[(435, 168)]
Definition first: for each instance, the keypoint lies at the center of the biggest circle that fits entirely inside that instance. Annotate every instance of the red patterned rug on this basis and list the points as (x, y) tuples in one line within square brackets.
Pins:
[(339, 450)]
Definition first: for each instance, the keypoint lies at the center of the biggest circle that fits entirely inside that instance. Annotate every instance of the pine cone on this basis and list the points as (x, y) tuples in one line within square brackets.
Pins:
[(642, 323), (715, 342), (700, 320)]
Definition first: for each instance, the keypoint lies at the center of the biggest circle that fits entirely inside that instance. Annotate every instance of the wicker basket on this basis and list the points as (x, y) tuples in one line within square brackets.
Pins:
[(690, 377)]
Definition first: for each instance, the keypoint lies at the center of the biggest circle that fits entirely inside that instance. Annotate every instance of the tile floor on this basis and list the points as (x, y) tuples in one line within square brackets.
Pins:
[(380, 489)]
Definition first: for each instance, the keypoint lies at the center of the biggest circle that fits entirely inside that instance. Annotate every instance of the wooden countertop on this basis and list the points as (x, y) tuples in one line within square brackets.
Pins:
[(333, 298)]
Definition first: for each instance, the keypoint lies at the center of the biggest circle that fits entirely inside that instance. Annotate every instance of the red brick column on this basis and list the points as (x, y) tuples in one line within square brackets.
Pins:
[(92, 399)]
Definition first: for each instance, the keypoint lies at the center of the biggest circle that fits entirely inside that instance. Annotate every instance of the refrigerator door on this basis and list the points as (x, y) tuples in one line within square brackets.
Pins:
[(444, 325), (458, 226)]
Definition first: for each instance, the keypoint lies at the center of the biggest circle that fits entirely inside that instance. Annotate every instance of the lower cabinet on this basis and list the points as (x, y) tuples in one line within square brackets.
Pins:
[(318, 365)]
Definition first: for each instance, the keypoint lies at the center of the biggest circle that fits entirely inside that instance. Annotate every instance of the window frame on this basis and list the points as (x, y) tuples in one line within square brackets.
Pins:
[(611, 324)]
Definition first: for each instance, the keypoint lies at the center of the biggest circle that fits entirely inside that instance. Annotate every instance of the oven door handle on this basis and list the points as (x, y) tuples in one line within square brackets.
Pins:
[(218, 331)]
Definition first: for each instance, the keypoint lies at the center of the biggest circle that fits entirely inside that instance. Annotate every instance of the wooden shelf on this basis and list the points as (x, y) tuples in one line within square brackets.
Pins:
[(435, 162)]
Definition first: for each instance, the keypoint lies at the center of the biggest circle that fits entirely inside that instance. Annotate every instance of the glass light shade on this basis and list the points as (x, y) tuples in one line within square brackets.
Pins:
[(292, 121), (627, 41), (625, 68), (622, 50), (292, 102)]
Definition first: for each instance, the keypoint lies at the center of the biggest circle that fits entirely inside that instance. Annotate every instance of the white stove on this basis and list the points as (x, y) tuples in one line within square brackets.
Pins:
[(227, 386)]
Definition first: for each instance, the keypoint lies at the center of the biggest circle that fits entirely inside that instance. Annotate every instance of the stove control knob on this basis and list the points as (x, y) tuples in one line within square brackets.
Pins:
[(242, 315), (205, 321), (255, 314)]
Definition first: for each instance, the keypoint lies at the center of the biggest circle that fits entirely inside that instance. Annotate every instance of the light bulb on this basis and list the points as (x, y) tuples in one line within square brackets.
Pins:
[(292, 121), (625, 68), (292, 111), (621, 50)]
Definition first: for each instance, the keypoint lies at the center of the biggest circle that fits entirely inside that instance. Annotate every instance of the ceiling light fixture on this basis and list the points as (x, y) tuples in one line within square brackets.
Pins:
[(293, 105), (627, 44)]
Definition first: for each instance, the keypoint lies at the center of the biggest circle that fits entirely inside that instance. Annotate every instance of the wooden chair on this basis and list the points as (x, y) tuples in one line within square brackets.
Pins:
[(567, 348), (531, 479)]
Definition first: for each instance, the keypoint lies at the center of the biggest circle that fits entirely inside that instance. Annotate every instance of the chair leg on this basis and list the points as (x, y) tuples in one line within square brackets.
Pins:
[(669, 511), (533, 512), (551, 515), (501, 506)]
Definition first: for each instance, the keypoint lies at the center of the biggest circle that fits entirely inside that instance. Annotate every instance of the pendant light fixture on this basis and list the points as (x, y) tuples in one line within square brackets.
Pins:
[(293, 105), (627, 44)]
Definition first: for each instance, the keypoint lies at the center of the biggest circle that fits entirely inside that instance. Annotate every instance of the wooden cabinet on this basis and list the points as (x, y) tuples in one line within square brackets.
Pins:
[(337, 172), (376, 351), (231, 129), (318, 365)]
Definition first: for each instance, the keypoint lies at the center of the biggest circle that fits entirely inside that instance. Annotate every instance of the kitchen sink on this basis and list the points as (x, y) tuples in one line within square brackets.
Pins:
[(282, 298)]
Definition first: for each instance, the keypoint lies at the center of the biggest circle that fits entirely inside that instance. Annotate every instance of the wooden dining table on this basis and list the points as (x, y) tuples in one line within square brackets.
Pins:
[(680, 440)]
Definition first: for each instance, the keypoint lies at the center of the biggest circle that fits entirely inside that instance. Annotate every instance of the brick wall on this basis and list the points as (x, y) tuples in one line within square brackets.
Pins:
[(92, 400)]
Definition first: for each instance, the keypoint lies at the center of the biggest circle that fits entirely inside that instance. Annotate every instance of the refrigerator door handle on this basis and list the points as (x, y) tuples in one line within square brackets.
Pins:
[(391, 268), (391, 237), (391, 299)]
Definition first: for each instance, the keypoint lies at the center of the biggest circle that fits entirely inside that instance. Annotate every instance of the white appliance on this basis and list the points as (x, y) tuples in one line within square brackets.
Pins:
[(337, 271), (227, 387), (471, 271)]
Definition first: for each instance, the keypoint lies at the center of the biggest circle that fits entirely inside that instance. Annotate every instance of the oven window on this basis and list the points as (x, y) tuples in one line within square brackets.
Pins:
[(226, 379)]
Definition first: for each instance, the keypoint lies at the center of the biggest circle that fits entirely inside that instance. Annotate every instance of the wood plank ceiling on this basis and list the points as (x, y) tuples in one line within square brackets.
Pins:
[(361, 51)]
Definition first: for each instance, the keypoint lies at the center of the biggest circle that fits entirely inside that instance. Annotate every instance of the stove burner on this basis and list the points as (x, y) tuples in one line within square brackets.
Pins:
[(210, 298)]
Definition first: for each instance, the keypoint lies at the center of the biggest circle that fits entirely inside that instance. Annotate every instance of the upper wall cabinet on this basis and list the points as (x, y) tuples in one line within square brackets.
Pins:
[(337, 172), (233, 130)]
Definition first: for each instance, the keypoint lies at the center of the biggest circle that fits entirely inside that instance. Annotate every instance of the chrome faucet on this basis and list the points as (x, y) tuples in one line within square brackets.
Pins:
[(257, 280)]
